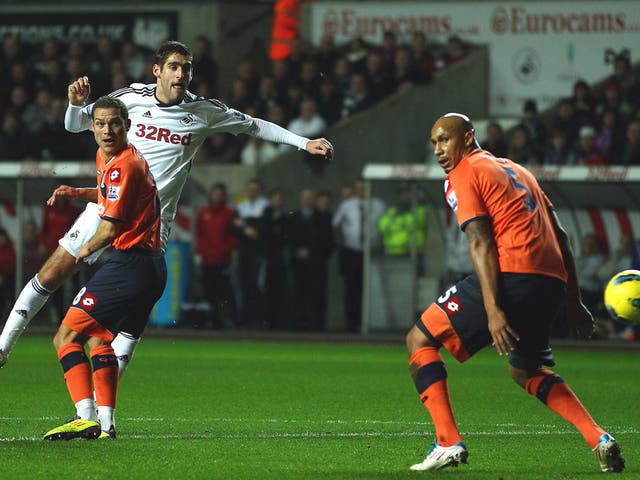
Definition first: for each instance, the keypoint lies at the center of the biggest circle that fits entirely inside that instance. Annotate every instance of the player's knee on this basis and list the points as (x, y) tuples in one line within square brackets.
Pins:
[(59, 340), (416, 339)]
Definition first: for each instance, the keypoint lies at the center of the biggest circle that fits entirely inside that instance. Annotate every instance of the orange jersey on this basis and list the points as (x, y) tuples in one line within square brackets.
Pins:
[(483, 186), (127, 195)]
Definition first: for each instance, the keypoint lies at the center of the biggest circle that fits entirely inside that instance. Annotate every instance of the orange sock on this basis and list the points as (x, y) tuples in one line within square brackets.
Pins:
[(551, 390), (77, 371), (430, 377), (105, 375)]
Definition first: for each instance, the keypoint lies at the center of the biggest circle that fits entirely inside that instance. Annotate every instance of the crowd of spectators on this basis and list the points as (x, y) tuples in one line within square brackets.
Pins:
[(594, 127), (277, 249), (262, 264), (308, 91)]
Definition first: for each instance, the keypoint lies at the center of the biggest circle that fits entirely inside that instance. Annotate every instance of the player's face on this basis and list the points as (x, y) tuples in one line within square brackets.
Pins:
[(450, 143), (110, 130), (173, 78)]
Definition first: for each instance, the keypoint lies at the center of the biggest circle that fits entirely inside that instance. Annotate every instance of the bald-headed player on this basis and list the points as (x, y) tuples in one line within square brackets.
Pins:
[(520, 255)]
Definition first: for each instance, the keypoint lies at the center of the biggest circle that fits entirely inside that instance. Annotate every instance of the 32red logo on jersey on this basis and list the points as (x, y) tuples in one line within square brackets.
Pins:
[(452, 306), (152, 132)]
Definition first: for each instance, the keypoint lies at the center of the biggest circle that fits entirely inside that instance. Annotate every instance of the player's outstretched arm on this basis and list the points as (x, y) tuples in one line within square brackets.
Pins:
[(65, 191), (75, 119), (275, 133)]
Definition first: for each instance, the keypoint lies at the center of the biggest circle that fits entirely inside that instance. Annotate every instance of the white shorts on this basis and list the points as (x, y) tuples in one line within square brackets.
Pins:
[(81, 232)]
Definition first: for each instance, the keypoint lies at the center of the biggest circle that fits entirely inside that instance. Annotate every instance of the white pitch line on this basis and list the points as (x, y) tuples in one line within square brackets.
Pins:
[(310, 421), (314, 435)]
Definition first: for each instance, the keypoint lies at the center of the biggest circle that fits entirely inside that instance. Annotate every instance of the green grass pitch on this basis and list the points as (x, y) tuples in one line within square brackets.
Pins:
[(247, 410)]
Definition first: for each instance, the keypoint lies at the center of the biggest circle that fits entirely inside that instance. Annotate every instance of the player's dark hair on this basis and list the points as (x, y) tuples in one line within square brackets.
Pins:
[(110, 102), (169, 48)]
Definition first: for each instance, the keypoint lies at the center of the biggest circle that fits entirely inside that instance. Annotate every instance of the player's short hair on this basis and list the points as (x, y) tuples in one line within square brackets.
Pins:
[(110, 102), (169, 48)]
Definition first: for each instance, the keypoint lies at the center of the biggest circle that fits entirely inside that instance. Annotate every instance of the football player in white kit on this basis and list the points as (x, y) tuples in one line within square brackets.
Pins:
[(168, 124)]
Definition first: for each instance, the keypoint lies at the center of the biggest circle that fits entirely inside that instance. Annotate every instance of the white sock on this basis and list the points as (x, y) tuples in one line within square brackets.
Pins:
[(106, 417), (86, 409), (29, 302), (123, 345)]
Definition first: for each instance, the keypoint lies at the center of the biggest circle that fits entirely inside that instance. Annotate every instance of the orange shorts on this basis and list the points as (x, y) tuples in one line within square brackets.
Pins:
[(80, 321)]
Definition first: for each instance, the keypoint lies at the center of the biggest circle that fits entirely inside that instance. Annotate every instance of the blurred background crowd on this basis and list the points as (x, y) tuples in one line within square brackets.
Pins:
[(261, 262), (311, 89)]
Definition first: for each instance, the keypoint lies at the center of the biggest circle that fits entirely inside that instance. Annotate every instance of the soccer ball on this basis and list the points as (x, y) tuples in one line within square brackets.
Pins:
[(622, 296)]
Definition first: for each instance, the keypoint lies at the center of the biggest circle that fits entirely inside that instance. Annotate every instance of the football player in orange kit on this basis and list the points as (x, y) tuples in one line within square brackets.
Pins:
[(520, 255), (123, 291)]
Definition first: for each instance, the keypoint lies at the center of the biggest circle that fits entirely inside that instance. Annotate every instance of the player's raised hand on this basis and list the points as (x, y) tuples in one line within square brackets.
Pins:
[(63, 191), (78, 92), (320, 146)]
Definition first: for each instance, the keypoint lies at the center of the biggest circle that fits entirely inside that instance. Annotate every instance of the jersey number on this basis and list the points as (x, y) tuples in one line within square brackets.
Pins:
[(445, 296), (529, 202)]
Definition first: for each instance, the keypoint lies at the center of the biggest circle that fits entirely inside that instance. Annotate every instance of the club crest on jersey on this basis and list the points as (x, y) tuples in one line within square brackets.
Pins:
[(115, 175), (113, 193), (188, 120)]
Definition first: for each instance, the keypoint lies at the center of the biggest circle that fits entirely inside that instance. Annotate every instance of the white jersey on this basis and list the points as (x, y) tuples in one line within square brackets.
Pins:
[(168, 136)]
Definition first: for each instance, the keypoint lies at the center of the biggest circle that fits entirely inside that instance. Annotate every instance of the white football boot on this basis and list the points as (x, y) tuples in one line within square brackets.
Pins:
[(439, 457), (608, 454)]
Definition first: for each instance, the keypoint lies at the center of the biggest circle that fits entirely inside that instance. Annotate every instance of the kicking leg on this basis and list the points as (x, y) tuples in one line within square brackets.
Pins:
[(58, 267), (552, 390)]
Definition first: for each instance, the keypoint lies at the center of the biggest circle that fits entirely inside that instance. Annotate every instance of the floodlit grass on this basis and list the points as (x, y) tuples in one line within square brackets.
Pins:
[(247, 410)]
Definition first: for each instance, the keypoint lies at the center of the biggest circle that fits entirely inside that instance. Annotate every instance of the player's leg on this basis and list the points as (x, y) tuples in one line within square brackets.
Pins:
[(429, 375), (105, 383), (534, 322), (69, 344), (555, 393), (139, 280), (456, 321), (58, 267), (124, 345)]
